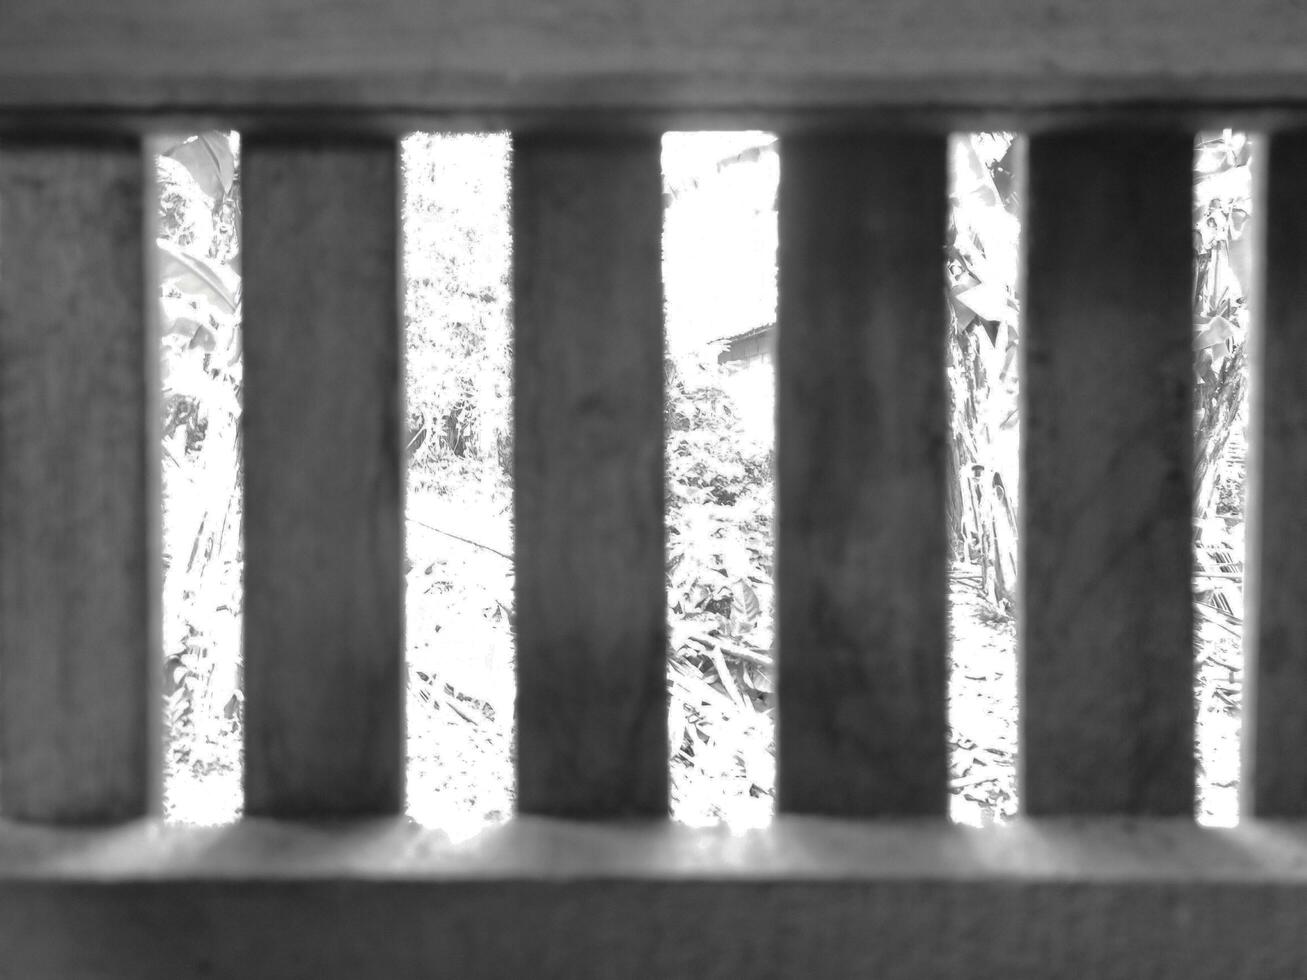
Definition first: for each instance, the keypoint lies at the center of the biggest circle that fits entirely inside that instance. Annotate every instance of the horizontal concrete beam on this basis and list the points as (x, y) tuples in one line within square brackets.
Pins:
[(542, 897), (672, 56)]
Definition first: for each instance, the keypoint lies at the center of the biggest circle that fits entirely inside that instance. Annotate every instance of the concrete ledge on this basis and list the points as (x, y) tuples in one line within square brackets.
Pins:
[(551, 898), (470, 56)]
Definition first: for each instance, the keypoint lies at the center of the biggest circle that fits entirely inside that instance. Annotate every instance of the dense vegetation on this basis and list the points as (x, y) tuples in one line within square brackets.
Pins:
[(720, 482)]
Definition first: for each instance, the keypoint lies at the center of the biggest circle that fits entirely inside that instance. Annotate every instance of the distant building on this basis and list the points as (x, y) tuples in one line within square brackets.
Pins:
[(746, 348)]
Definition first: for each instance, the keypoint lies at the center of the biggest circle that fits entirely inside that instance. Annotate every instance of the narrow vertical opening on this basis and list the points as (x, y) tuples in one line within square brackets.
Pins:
[(198, 262), (719, 272), (1223, 277), (459, 564), (983, 342)]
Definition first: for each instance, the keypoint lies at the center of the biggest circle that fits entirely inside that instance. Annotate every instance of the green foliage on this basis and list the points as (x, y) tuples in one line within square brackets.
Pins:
[(719, 589), (1223, 204), (719, 510), (456, 258), (982, 360), (197, 259)]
